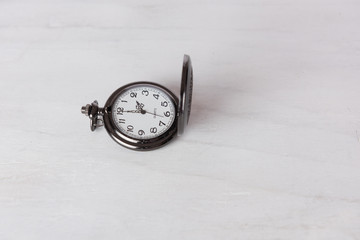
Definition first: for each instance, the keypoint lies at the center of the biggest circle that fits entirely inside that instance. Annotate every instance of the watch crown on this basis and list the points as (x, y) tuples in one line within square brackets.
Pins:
[(94, 113), (85, 109)]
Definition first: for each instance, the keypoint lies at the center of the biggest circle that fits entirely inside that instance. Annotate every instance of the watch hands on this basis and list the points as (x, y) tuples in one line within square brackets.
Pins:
[(139, 109), (153, 113), (142, 111), (140, 106), (133, 111)]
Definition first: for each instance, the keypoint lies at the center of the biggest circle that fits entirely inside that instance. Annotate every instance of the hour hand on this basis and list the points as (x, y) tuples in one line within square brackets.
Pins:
[(139, 105)]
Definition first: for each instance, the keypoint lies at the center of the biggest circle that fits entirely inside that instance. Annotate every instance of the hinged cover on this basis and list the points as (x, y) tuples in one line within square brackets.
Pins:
[(185, 94)]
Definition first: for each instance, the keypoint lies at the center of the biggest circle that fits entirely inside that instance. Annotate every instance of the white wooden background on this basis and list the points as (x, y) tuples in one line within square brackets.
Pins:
[(273, 146)]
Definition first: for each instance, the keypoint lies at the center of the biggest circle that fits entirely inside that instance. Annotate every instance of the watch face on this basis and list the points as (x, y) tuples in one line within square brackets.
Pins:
[(143, 111)]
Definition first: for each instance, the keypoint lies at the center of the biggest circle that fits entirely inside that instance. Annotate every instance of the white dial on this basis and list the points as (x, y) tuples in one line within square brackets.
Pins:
[(143, 111)]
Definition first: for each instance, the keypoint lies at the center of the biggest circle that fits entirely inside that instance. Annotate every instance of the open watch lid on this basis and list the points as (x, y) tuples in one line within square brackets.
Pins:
[(186, 90)]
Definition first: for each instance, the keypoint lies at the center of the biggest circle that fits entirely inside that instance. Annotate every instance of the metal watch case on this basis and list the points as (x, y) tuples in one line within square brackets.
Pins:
[(102, 116)]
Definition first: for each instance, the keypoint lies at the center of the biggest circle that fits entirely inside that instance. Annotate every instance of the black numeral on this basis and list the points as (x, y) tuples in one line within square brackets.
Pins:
[(119, 110), (167, 114), (145, 92), (164, 104), (121, 120), (153, 130), (133, 94), (141, 132), (156, 96), (161, 123), (130, 128)]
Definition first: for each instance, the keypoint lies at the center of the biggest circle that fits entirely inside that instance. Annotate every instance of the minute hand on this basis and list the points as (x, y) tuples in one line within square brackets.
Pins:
[(153, 114)]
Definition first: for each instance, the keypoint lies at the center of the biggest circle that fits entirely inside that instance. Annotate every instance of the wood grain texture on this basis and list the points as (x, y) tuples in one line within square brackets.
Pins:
[(272, 148)]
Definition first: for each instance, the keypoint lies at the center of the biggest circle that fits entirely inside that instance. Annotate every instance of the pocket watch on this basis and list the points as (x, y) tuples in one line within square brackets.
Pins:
[(144, 115)]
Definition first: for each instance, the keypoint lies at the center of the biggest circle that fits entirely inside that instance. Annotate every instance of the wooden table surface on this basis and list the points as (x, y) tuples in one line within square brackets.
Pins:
[(272, 149)]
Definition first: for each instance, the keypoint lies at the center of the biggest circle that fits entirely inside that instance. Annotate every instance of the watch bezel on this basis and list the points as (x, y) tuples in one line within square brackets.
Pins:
[(133, 143)]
